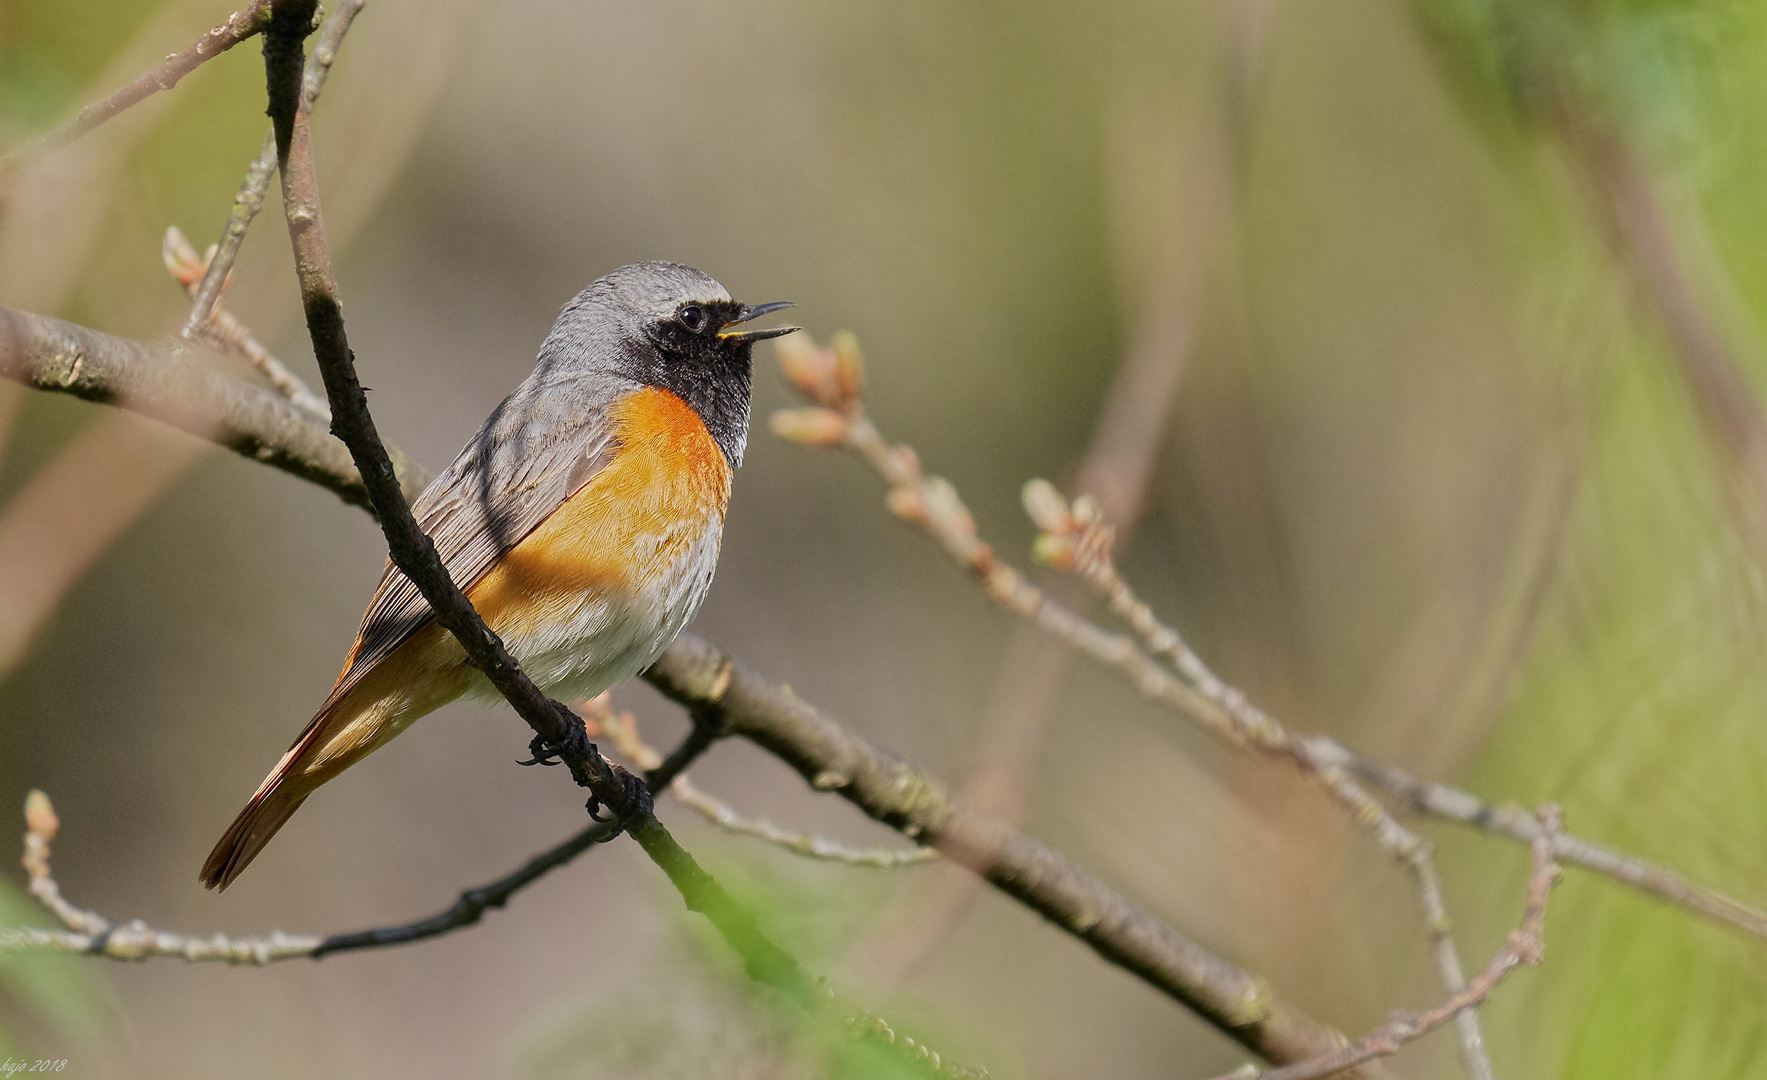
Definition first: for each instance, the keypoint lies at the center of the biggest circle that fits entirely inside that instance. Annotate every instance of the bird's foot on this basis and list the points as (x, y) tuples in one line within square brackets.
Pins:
[(635, 799)]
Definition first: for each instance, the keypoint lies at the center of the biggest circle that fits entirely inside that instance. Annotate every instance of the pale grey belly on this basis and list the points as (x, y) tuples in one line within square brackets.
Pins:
[(601, 641)]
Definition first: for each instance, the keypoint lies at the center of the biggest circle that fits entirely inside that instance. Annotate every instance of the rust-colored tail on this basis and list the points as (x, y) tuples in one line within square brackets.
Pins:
[(279, 796), (358, 717), (331, 742), (267, 812)]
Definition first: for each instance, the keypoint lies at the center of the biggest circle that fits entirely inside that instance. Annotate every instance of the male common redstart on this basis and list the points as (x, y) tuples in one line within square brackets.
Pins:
[(583, 521)]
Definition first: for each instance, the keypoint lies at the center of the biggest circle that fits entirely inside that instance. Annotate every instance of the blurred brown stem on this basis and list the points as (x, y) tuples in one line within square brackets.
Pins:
[(72, 510), (1627, 198), (1116, 469)]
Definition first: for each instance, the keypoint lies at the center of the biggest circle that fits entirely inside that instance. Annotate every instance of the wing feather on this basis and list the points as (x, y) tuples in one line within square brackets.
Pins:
[(537, 449)]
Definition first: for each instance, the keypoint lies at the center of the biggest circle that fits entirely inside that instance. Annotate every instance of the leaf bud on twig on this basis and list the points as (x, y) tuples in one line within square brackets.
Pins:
[(1047, 508), (811, 426), (811, 368), (849, 365)]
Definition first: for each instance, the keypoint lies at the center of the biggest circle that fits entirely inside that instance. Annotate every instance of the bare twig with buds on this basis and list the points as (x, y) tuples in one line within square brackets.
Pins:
[(1074, 538), (833, 378)]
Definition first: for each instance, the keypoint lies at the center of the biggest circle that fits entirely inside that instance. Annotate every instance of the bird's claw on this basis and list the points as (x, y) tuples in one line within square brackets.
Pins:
[(542, 751)]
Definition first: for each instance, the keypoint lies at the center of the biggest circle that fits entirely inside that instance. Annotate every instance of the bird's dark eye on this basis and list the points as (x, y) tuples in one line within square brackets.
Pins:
[(693, 317)]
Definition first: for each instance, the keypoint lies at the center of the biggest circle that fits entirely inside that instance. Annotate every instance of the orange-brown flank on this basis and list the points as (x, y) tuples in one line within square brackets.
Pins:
[(666, 482)]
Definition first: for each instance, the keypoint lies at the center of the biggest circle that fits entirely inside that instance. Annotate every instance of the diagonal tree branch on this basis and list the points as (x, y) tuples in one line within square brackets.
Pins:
[(162, 381), (736, 701)]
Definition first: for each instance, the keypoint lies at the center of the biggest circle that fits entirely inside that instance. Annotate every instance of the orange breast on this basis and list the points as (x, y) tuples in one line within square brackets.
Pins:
[(666, 482)]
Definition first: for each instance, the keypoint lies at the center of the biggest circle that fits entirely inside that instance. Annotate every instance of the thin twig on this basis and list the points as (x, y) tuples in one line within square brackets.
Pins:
[(1511, 822), (556, 728), (206, 296), (621, 729), (227, 333), (91, 934), (234, 29), (832, 378), (1085, 549), (1525, 947)]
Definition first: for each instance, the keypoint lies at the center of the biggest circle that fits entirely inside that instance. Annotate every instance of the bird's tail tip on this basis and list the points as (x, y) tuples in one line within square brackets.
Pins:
[(266, 813)]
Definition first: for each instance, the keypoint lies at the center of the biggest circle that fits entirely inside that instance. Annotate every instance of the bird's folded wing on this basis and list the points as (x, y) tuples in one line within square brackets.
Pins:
[(539, 447)]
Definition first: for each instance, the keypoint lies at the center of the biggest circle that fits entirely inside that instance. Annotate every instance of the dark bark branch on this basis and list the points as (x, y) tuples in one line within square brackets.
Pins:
[(233, 30), (556, 727), (410, 549)]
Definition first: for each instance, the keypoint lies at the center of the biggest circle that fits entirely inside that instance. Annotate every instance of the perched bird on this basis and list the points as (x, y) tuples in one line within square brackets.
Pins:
[(583, 521)]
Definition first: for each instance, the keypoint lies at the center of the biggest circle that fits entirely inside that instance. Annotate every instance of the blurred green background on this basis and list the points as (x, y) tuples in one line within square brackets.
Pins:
[(1434, 482)]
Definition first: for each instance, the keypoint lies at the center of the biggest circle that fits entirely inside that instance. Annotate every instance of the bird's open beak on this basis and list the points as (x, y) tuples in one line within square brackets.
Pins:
[(751, 313)]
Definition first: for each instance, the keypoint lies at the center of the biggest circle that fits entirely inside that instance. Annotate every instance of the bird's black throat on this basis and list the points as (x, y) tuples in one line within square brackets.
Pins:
[(711, 376)]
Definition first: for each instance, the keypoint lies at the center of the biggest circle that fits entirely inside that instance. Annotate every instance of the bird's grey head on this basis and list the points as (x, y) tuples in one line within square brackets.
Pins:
[(666, 325)]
